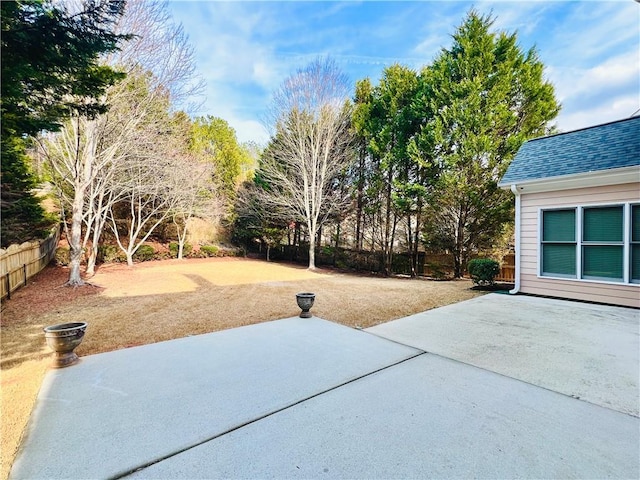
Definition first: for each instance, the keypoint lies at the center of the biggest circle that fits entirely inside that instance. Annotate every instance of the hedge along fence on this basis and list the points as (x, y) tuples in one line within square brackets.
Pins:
[(18, 263)]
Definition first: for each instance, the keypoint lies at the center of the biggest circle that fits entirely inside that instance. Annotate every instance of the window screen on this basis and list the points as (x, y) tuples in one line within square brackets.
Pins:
[(635, 243), (559, 226), (603, 238), (602, 262), (559, 242), (603, 224)]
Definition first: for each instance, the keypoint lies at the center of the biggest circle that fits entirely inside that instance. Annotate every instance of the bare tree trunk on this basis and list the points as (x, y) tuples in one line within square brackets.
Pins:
[(98, 226), (84, 161), (360, 199), (416, 240), (182, 236), (458, 259), (312, 252), (388, 240), (296, 241), (75, 241), (337, 243), (319, 237), (91, 261)]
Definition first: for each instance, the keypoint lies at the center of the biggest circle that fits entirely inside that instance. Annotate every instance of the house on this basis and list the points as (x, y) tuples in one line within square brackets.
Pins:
[(578, 214)]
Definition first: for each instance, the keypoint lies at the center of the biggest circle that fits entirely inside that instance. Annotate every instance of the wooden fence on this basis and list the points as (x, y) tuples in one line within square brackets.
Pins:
[(507, 269), (19, 263)]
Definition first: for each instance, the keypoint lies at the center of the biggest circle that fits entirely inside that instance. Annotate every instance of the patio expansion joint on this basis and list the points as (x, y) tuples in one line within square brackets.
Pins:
[(266, 415), (574, 397)]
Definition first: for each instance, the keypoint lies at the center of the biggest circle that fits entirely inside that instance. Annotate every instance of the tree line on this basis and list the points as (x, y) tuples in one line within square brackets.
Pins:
[(411, 162)]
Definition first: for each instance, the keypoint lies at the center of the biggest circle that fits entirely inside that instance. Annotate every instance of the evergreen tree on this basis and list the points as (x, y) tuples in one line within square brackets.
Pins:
[(214, 140), (485, 97)]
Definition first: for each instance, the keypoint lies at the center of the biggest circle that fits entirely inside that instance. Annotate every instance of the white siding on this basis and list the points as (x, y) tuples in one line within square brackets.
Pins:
[(530, 282)]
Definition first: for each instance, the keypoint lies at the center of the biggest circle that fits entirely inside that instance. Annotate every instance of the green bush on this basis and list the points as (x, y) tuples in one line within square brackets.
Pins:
[(63, 256), (144, 253), (483, 271), (209, 250), (186, 249)]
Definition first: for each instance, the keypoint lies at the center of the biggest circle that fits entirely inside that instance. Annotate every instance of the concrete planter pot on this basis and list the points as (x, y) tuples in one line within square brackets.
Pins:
[(63, 339), (305, 302)]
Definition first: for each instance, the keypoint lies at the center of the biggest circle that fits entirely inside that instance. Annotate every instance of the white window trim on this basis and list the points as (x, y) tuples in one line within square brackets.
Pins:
[(629, 243), (627, 281), (540, 236)]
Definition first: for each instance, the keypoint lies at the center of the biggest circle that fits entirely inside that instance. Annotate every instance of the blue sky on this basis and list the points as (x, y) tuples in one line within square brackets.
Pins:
[(244, 50)]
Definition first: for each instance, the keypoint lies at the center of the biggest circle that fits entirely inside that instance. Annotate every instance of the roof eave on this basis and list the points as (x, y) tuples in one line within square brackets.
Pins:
[(613, 176)]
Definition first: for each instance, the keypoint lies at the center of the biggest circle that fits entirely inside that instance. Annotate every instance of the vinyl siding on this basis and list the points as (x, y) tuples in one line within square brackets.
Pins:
[(530, 282)]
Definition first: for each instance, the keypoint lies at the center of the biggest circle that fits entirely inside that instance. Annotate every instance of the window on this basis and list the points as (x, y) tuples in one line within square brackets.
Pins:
[(635, 243), (559, 243), (591, 243), (603, 243)]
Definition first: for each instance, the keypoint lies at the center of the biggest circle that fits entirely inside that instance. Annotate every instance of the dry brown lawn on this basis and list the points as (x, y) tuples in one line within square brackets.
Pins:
[(158, 301)]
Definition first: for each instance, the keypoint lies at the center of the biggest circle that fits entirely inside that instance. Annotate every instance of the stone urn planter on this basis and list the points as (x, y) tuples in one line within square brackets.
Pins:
[(305, 302), (63, 339)]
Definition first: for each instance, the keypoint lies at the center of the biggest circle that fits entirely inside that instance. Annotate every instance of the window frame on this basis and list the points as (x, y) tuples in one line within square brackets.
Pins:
[(601, 243), (579, 243), (631, 242), (544, 242)]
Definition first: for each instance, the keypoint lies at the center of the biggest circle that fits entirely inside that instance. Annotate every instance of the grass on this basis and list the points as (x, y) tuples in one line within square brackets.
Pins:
[(157, 301)]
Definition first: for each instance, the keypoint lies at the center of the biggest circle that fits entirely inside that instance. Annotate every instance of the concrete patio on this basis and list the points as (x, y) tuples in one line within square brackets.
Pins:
[(485, 388)]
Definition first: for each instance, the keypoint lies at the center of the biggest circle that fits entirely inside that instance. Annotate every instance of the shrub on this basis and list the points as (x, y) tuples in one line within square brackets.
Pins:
[(209, 250), (63, 256), (144, 253), (110, 254), (483, 271), (186, 249)]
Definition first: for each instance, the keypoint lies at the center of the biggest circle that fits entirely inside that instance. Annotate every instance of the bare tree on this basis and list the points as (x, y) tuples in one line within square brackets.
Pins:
[(90, 155), (195, 197), (310, 149), (161, 47), (73, 160), (153, 171), (147, 202)]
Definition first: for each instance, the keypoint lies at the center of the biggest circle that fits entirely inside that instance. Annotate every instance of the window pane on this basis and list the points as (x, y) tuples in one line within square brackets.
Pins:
[(603, 224), (635, 262), (635, 223), (602, 261), (559, 225), (558, 259)]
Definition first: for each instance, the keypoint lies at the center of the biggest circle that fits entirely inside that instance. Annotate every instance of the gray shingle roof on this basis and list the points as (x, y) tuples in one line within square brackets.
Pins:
[(603, 147)]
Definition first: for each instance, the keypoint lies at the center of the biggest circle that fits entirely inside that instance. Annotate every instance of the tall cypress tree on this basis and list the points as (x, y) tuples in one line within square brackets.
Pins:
[(486, 97)]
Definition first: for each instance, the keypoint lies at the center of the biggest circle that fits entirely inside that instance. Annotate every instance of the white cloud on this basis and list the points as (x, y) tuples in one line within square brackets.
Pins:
[(524, 18), (245, 50), (574, 82), (616, 109), (249, 130)]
